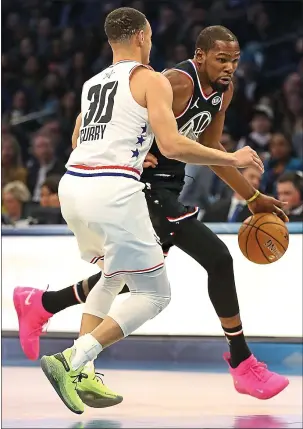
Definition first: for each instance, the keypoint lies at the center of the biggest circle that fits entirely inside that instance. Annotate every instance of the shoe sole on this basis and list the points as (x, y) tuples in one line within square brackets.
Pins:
[(264, 398), (46, 368), (96, 401)]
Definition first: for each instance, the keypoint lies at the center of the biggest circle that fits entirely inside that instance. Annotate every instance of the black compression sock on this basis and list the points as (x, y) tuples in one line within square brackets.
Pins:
[(239, 350), (53, 302)]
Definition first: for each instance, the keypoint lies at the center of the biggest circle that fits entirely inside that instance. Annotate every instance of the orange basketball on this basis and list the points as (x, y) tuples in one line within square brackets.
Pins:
[(263, 238)]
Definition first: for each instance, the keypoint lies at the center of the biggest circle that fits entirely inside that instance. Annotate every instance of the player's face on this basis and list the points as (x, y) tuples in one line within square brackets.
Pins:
[(279, 147), (147, 44), (253, 177), (219, 63), (288, 193)]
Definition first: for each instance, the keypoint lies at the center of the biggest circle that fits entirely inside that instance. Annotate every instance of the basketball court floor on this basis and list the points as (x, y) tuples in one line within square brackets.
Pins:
[(152, 399)]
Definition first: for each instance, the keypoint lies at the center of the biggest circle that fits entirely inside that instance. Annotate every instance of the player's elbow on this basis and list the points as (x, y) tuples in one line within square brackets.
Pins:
[(170, 149)]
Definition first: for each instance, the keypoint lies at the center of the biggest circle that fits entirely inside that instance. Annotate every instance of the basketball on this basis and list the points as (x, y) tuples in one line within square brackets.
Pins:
[(263, 238)]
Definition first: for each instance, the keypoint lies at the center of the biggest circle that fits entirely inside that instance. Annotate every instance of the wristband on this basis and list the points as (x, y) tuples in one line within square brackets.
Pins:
[(253, 198)]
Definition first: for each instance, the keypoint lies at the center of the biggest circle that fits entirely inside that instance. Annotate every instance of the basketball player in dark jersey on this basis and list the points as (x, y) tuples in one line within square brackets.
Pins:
[(202, 90)]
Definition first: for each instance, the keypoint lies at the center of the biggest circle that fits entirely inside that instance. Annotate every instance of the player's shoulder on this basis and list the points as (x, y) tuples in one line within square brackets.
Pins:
[(179, 79), (159, 81), (151, 77)]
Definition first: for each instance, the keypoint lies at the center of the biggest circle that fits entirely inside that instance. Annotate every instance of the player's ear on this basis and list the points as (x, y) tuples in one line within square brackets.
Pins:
[(140, 38), (200, 57)]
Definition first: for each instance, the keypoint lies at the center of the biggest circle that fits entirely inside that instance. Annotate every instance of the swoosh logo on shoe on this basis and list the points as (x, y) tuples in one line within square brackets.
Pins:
[(60, 357), (27, 301), (258, 390)]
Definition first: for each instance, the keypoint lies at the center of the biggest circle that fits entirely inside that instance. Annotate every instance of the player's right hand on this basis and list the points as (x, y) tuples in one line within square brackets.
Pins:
[(247, 157), (150, 161)]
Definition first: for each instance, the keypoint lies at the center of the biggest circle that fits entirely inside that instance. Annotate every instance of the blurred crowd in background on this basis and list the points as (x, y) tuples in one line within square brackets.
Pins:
[(50, 48)]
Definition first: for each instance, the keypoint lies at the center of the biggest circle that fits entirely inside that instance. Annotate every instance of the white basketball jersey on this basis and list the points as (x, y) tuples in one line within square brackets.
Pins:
[(114, 129)]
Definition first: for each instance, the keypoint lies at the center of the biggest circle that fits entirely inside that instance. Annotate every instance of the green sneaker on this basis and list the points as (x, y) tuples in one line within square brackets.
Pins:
[(63, 378), (93, 392)]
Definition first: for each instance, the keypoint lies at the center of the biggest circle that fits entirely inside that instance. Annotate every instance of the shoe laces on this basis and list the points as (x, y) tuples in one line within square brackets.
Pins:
[(259, 369), (78, 378), (98, 376)]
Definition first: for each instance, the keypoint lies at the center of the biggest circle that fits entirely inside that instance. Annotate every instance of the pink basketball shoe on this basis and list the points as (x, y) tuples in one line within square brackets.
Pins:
[(32, 318), (253, 378)]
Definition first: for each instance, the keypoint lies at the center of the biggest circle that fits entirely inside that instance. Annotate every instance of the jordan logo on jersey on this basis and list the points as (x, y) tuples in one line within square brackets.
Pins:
[(196, 125), (195, 104)]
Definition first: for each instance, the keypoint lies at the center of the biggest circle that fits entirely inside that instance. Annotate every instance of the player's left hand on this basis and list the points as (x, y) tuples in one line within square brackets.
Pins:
[(266, 204), (150, 161)]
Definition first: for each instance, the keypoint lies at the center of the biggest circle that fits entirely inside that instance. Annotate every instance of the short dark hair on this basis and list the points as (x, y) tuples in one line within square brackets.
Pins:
[(210, 35), (52, 183), (121, 24), (295, 177)]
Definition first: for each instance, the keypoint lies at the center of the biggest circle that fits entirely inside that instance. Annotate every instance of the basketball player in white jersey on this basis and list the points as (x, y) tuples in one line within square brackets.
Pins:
[(101, 196)]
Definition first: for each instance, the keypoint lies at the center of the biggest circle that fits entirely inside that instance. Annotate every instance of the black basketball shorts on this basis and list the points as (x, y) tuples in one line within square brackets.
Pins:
[(166, 213)]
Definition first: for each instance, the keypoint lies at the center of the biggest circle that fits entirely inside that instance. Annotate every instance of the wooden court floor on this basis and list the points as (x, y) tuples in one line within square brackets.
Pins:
[(152, 399)]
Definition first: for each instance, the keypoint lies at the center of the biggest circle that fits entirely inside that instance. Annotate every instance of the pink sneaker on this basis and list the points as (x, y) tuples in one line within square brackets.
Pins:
[(32, 317), (253, 378)]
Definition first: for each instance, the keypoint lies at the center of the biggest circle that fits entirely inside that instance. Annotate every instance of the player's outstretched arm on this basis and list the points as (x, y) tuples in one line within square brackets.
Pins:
[(159, 97)]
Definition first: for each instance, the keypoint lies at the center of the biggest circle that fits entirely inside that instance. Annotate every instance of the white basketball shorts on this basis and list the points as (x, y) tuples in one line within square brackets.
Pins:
[(109, 218)]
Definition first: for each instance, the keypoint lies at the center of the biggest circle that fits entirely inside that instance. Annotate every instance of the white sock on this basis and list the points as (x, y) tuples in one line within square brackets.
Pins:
[(85, 349), (89, 366)]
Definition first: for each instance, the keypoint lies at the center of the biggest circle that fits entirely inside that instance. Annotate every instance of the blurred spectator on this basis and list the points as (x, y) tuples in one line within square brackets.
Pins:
[(50, 48), (234, 208), (43, 164), (32, 75), (281, 159), (49, 192), (104, 59), (48, 212), (292, 85), (19, 107), (51, 91), (260, 134), (11, 162), (293, 121), (166, 28), (26, 49), (44, 36), (290, 191), (15, 195), (78, 72)]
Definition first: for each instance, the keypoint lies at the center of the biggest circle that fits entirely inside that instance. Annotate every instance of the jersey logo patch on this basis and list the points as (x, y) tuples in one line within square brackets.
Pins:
[(195, 104), (196, 125), (216, 100)]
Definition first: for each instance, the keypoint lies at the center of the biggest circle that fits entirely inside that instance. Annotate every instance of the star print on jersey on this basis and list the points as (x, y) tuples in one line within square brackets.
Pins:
[(140, 140), (135, 153)]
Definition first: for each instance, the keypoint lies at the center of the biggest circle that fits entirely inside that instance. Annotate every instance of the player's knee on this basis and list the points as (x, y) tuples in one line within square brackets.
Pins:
[(162, 301), (222, 262), (224, 259), (157, 303)]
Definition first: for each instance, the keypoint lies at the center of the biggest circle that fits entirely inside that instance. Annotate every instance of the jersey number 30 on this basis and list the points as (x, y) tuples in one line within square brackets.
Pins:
[(101, 103)]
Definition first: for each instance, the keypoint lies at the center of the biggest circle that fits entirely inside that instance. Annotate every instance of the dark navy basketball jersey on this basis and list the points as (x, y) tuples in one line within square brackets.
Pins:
[(196, 117)]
